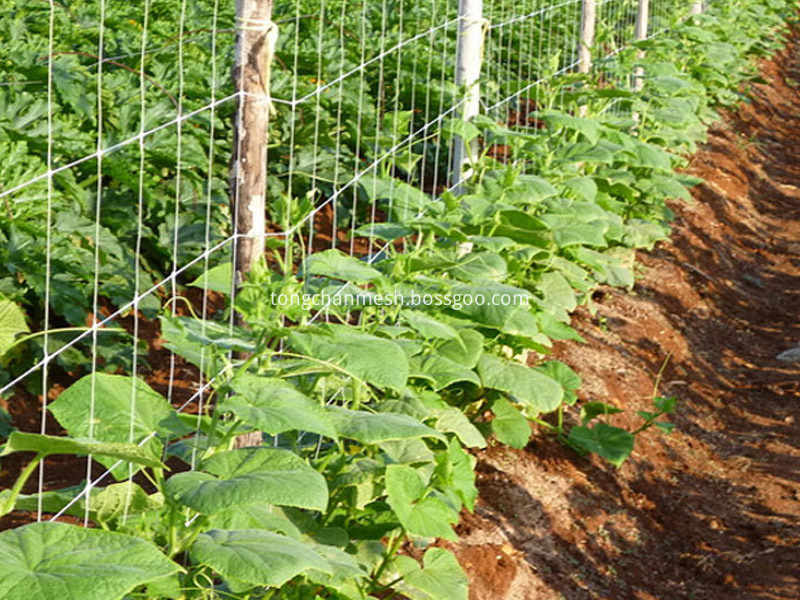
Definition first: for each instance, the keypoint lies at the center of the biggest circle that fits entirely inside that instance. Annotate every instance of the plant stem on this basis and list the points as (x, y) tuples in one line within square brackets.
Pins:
[(8, 505), (392, 549)]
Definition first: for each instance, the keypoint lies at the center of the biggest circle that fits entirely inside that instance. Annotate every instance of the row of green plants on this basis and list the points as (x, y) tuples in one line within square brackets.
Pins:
[(371, 417)]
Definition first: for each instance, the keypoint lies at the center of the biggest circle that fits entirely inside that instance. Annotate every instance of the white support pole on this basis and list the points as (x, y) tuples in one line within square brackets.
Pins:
[(697, 8), (588, 23), (469, 56), (586, 42), (642, 20)]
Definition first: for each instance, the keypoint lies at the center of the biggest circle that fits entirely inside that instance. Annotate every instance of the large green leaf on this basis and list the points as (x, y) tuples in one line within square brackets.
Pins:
[(440, 577), (420, 513), (487, 308), (246, 476), (50, 561), (375, 360), (255, 516), (113, 408), (256, 556), (374, 428), (478, 266), (429, 327), (338, 265), (274, 406), (466, 350), (50, 444), (531, 388)]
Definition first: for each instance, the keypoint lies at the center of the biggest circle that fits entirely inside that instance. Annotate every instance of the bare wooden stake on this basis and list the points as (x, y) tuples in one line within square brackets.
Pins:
[(697, 8), (256, 35)]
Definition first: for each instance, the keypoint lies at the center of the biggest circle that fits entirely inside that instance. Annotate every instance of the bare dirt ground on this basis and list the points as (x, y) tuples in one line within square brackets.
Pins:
[(710, 512)]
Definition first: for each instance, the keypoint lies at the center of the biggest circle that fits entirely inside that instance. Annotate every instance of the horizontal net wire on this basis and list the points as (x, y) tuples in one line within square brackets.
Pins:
[(120, 135)]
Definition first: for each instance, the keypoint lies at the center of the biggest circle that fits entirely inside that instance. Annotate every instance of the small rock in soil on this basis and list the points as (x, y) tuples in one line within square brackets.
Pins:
[(791, 355)]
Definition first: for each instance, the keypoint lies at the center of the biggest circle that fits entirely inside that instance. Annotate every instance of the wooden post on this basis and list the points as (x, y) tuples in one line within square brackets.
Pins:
[(469, 56), (697, 8), (256, 35), (642, 19), (588, 24)]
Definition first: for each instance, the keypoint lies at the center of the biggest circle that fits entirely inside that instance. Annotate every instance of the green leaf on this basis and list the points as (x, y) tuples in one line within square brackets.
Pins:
[(375, 360), (558, 296), (12, 323), (487, 308), (275, 406), (119, 499), (568, 231), (557, 370), (54, 560), (443, 372), (255, 556), (612, 443), (466, 350), (374, 428), (587, 127), (568, 378), (463, 129), (479, 266), (217, 279), (455, 471), (420, 513), (440, 577), (429, 327), (665, 405), (652, 157), (537, 391), (246, 476), (450, 419), (338, 265), (592, 410), (385, 231), (584, 188), (509, 425), (124, 409), (49, 444), (255, 516), (665, 427)]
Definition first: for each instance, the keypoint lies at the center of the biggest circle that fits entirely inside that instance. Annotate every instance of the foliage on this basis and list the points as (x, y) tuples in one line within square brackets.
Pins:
[(369, 414)]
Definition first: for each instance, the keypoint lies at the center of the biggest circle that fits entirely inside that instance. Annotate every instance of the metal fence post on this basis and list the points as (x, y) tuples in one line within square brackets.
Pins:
[(469, 56), (256, 35), (642, 19)]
